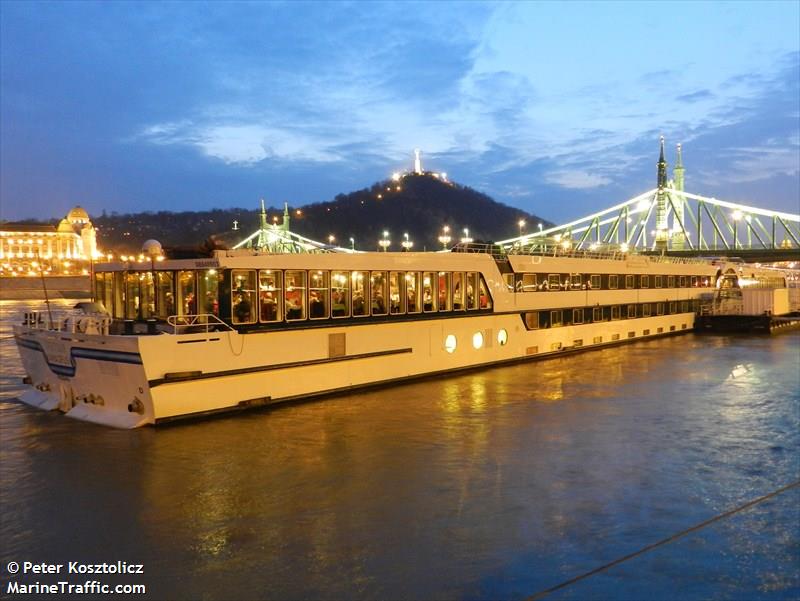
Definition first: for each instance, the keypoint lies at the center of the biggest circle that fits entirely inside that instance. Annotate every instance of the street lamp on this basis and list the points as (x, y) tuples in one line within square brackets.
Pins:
[(406, 243), (466, 239), (540, 228), (353, 244), (331, 239), (384, 242), (521, 224), (445, 237)]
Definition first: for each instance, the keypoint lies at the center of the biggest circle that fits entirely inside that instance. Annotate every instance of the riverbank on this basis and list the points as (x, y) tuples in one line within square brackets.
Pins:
[(30, 288)]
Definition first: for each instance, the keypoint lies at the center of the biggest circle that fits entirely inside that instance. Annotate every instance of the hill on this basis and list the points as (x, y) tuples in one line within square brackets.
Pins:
[(417, 204)]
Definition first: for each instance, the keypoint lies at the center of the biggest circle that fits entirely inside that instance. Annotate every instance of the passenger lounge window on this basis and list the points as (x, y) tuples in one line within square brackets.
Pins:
[(395, 293), (444, 291), (458, 291), (318, 295), (428, 296), (295, 295), (340, 301), (243, 293), (472, 290), (360, 294), (378, 284), (613, 282), (485, 299), (270, 292), (413, 292), (187, 303), (208, 291)]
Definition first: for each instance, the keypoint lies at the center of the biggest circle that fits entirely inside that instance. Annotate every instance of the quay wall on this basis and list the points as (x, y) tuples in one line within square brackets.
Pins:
[(30, 288)]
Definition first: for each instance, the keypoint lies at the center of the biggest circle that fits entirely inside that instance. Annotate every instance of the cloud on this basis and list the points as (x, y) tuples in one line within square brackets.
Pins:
[(695, 96), (578, 180)]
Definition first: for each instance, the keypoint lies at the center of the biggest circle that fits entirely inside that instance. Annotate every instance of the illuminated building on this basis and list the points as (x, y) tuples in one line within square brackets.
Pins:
[(25, 248)]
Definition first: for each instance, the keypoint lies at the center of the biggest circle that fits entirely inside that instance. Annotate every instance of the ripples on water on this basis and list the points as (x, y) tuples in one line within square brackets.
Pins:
[(493, 484)]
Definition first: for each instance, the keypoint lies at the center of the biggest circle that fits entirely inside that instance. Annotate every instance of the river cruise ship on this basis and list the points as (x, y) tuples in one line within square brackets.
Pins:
[(244, 328)]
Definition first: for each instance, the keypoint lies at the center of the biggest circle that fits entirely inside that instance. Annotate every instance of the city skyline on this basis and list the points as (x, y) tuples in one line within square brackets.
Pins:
[(552, 108)]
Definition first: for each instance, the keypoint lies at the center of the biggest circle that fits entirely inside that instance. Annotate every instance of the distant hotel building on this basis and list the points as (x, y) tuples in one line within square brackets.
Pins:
[(62, 249)]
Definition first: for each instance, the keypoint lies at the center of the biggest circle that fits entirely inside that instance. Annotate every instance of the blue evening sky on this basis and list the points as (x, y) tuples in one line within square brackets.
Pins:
[(555, 108)]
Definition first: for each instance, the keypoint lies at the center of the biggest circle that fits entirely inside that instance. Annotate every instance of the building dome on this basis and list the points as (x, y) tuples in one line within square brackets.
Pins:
[(78, 215)]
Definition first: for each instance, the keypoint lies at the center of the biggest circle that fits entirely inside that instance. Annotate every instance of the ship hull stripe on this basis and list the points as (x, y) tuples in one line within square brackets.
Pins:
[(276, 366)]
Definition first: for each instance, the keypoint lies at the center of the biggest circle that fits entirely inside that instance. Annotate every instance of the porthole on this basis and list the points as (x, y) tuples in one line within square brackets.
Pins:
[(502, 337), (450, 343), (477, 340)]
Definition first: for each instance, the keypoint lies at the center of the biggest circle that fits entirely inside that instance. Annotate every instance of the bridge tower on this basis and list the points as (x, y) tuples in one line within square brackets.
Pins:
[(678, 204), (662, 215), (262, 241)]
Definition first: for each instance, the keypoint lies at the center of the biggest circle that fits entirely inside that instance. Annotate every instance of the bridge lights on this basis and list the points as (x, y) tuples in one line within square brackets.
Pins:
[(384, 242), (445, 237)]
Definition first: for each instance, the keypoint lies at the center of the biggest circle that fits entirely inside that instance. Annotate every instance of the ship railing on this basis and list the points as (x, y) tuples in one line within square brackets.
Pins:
[(194, 324), (68, 322)]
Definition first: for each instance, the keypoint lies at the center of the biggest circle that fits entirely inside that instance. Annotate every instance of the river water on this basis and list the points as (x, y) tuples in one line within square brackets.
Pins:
[(493, 484)]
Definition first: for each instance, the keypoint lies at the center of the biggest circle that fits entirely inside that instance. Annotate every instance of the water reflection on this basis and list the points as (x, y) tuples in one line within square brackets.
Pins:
[(493, 483)]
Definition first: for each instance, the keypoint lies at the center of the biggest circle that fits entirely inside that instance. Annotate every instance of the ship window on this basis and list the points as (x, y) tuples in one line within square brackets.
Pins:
[(644, 281), (671, 281), (243, 292), (695, 281), (682, 281), (477, 340), (595, 282), (318, 291), (340, 287), (597, 314), (208, 291), (458, 291), (502, 337), (508, 278), (360, 294), (555, 318), (576, 281), (444, 291), (673, 308), (532, 320), (629, 281), (613, 282), (658, 281), (396, 293), (428, 296), (413, 291), (485, 299), (187, 303), (553, 281), (131, 294), (165, 297), (684, 306), (616, 312), (378, 287), (450, 343), (472, 288), (631, 311), (659, 308), (646, 310), (270, 293), (528, 282), (577, 316), (294, 296)]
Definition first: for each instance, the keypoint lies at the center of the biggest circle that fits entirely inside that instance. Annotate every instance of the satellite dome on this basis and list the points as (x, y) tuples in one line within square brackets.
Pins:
[(78, 215), (152, 248)]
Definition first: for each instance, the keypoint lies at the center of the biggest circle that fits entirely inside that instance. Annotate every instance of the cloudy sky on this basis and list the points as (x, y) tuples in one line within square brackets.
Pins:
[(555, 108)]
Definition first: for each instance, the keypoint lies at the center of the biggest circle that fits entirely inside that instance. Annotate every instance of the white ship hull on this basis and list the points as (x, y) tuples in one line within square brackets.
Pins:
[(128, 381)]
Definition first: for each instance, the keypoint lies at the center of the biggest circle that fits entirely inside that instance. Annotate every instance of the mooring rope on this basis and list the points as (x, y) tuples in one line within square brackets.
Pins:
[(669, 539)]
